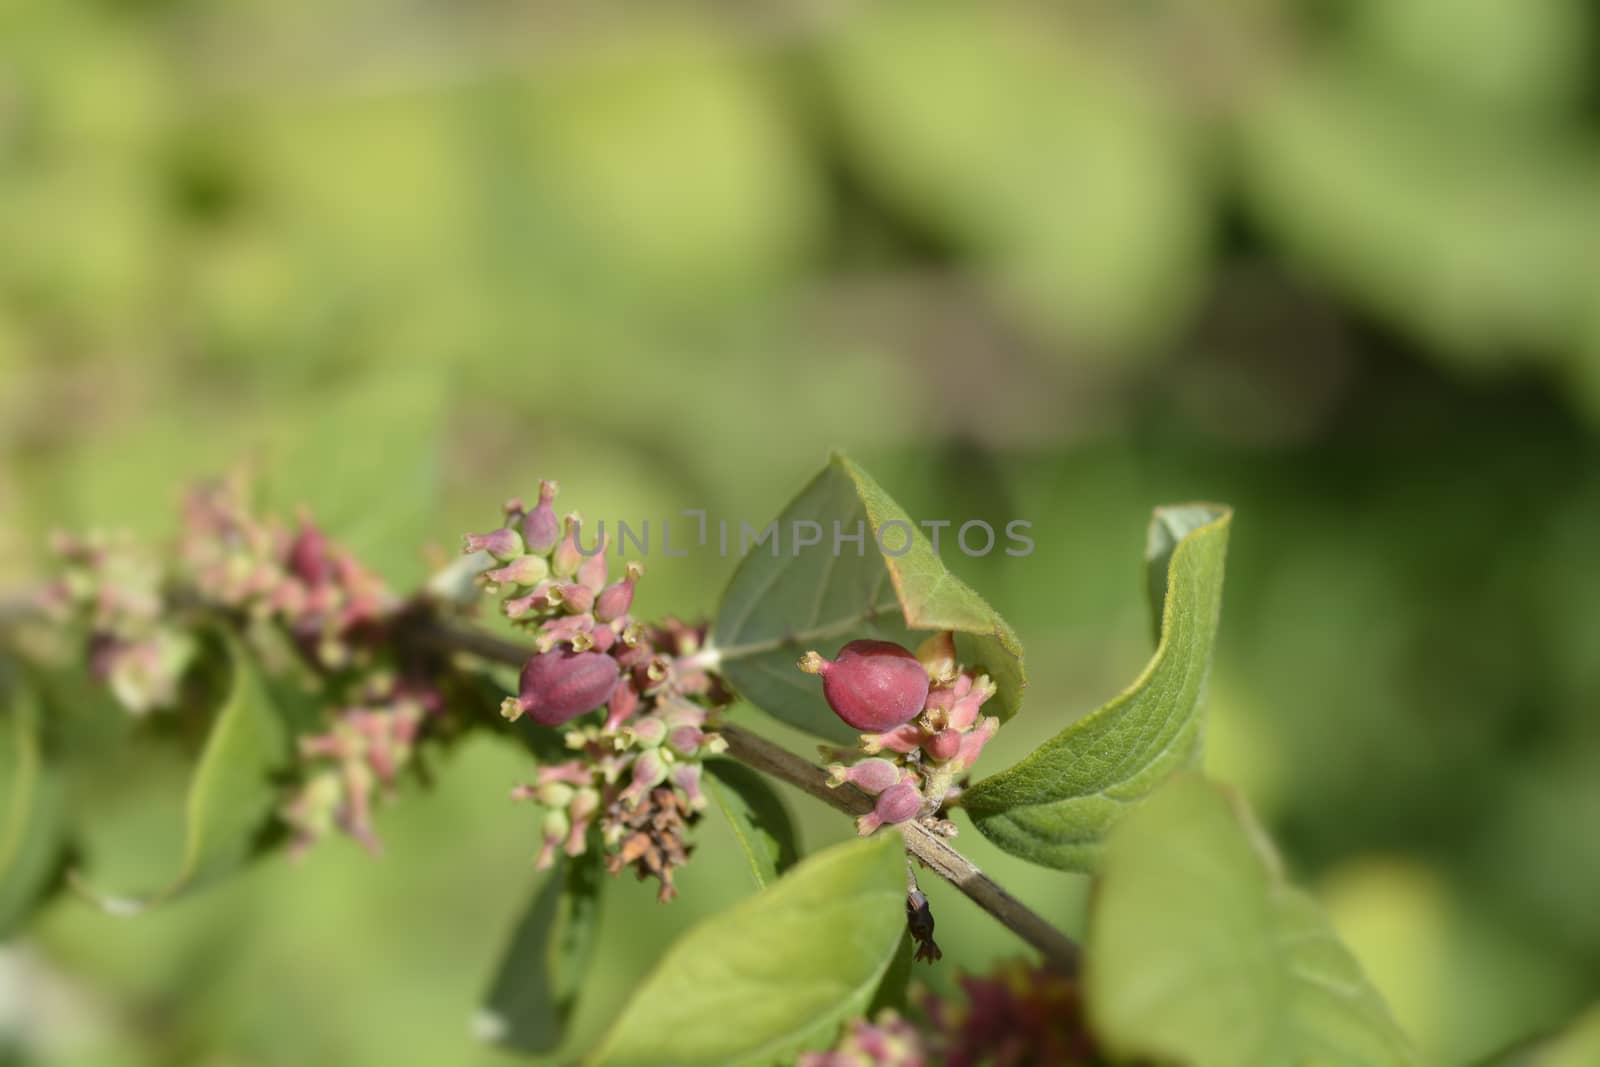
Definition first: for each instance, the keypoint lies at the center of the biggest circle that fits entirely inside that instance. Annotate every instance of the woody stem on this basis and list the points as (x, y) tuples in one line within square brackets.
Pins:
[(775, 761)]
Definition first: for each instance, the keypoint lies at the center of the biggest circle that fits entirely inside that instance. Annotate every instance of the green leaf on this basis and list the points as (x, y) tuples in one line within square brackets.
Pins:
[(231, 795), (894, 991), (1055, 807), (1577, 1045), (30, 809), (536, 988), (1198, 952), (775, 973), (777, 606), (758, 816)]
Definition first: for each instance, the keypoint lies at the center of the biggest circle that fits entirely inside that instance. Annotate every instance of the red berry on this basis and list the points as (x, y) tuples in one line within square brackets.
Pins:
[(561, 684), (872, 685)]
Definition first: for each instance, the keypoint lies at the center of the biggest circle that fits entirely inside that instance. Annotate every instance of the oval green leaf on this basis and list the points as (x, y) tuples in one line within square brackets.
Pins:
[(30, 809), (774, 974), (1198, 952), (1056, 806), (786, 598), (536, 987), (758, 817), (231, 795)]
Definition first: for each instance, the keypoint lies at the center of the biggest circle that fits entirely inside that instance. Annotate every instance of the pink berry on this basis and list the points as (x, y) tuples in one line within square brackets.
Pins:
[(872, 685), (561, 684)]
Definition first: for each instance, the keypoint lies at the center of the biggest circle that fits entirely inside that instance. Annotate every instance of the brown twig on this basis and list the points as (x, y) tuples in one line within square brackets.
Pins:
[(775, 761)]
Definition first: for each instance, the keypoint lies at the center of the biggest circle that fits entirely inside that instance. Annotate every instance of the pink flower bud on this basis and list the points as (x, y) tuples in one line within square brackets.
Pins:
[(541, 530), (553, 832), (574, 598), (649, 771), (964, 712), (504, 544), (902, 739), (942, 745), (972, 743), (938, 656), (592, 571), (566, 559), (525, 571), (686, 777), (309, 558), (602, 638), (871, 685), (871, 776), (585, 804), (536, 600), (559, 685), (554, 794), (624, 702), (899, 803), (685, 740), (573, 772), (561, 630), (647, 732), (615, 599)]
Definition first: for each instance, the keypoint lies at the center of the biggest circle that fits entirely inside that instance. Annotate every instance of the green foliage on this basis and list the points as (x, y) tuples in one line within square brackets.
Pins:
[(1198, 951), (231, 792), (1577, 1045), (778, 606), (544, 965), (1056, 167), (774, 974), (1056, 806), (758, 817), (30, 805)]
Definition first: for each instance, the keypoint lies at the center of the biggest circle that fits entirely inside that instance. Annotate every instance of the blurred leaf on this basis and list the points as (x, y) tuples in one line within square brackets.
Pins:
[(1474, 238), (1525, 56), (776, 972), (30, 807), (671, 166), (779, 604), (231, 794), (1056, 806), (1039, 146), (1198, 951), (366, 463), (542, 971), (1578, 1045), (758, 816), (895, 989)]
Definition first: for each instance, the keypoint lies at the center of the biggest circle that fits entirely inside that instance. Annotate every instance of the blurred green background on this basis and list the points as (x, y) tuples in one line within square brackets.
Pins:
[(1332, 262)]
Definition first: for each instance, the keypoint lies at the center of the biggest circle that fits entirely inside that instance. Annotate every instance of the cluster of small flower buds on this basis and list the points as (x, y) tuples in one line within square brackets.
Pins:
[(633, 781), (886, 1041), (925, 722), (357, 759), (276, 582), (549, 584), (322, 596), (1018, 1016), (114, 588)]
